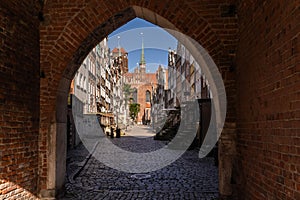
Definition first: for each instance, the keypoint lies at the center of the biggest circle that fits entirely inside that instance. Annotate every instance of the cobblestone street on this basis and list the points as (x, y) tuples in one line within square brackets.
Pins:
[(187, 178)]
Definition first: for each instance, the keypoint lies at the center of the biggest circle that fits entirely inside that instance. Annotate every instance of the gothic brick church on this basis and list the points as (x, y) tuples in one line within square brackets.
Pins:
[(143, 85)]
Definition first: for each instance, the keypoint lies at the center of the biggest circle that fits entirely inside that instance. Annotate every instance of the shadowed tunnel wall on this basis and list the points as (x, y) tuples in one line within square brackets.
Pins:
[(255, 45)]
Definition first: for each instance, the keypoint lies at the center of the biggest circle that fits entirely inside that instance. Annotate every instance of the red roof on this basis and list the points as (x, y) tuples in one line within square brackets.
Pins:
[(116, 50)]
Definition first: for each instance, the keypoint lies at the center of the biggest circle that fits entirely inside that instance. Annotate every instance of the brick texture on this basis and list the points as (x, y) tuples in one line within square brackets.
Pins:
[(255, 45), (268, 87), (72, 29), (142, 83), (19, 99)]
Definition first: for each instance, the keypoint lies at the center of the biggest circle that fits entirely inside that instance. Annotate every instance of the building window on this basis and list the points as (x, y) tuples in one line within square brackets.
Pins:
[(80, 81), (148, 96), (84, 83), (87, 63), (134, 95)]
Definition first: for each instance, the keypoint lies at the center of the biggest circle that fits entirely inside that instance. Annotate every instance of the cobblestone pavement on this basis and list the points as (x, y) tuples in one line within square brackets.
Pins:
[(187, 178)]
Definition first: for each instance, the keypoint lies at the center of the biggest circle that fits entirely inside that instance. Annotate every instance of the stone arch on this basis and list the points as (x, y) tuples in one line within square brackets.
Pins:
[(59, 72)]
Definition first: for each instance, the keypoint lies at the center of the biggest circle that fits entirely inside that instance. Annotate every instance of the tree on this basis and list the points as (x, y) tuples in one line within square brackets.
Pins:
[(134, 109), (127, 93)]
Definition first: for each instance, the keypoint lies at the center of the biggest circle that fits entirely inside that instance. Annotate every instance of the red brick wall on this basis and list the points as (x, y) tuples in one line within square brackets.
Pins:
[(19, 98), (266, 70), (268, 84), (146, 83), (72, 29)]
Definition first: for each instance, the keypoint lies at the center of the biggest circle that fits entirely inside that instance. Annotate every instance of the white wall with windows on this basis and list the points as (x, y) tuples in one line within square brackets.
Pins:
[(94, 66)]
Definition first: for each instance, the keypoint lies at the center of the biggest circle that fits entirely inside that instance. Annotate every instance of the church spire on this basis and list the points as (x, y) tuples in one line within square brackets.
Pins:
[(142, 60), (119, 47)]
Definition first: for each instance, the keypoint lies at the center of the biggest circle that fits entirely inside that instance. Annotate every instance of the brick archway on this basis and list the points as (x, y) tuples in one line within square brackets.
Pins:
[(72, 33), (39, 41)]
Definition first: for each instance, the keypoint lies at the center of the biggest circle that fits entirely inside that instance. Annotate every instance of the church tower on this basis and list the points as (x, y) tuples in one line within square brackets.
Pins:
[(142, 59)]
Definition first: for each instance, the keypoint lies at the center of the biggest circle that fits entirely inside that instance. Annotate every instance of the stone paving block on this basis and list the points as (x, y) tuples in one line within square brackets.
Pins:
[(187, 178)]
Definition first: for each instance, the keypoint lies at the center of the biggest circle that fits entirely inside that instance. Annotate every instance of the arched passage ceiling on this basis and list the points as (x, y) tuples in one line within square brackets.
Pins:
[(71, 29)]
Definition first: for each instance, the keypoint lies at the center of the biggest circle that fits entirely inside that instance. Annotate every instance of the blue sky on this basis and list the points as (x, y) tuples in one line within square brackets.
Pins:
[(156, 43)]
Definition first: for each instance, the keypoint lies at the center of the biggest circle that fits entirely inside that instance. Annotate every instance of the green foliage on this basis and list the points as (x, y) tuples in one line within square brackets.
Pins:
[(127, 92), (134, 109)]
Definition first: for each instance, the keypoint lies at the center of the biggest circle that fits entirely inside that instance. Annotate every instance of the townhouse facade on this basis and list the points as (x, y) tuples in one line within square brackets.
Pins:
[(96, 86)]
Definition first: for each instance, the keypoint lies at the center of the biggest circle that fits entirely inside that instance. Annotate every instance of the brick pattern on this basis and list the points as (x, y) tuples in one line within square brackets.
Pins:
[(142, 82), (265, 66), (72, 29), (266, 69), (87, 13), (55, 68), (19, 99), (269, 108)]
